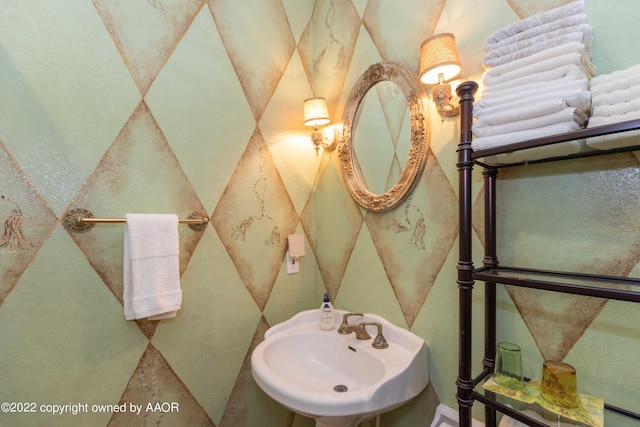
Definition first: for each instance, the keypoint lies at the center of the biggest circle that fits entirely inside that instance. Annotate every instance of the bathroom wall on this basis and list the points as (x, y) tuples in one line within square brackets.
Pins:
[(543, 224), (150, 106), (196, 106)]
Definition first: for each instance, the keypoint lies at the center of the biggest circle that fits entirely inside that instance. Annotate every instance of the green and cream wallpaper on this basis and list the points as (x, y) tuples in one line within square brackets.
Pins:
[(183, 106)]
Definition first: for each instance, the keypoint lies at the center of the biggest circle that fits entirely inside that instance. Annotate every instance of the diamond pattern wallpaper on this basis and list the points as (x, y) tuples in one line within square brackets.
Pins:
[(195, 106)]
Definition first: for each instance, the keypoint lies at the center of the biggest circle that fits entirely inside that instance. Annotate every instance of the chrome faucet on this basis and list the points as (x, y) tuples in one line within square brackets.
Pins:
[(346, 328), (379, 341)]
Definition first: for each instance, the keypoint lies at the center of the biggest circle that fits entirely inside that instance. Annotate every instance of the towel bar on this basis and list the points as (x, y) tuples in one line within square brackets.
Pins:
[(82, 220)]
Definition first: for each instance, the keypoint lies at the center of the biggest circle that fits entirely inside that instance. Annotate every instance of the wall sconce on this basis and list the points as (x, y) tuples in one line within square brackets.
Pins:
[(316, 114), (439, 63)]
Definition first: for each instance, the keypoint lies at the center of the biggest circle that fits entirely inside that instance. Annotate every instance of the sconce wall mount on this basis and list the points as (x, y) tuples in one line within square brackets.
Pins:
[(316, 114), (439, 63)]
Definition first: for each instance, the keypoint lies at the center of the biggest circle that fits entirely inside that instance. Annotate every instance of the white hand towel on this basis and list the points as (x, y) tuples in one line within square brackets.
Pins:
[(567, 54), (557, 15), (523, 135), (538, 30), (570, 114), (618, 80), (608, 142), (517, 42), (555, 89), (617, 96), (535, 106), (536, 153), (616, 140), (607, 120), (528, 47), (540, 82), (617, 109), (151, 268)]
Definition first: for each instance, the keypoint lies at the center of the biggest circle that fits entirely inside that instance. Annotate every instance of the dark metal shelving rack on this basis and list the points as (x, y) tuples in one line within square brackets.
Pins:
[(617, 288)]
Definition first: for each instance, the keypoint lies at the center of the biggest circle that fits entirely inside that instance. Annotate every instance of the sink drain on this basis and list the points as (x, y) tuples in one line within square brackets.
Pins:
[(340, 388)]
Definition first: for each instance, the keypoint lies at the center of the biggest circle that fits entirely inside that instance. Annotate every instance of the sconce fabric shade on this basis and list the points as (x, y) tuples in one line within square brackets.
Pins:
[(315, 112), (439, 55)]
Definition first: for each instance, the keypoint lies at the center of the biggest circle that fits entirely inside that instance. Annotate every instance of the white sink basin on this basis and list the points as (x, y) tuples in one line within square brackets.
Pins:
[(338, 379)]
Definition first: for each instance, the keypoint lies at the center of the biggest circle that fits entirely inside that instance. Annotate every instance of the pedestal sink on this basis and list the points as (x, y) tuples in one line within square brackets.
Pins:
[(337, 379)]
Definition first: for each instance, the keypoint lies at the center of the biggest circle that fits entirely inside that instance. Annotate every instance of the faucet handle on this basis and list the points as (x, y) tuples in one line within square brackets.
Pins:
[(343, 327), (379, 341)]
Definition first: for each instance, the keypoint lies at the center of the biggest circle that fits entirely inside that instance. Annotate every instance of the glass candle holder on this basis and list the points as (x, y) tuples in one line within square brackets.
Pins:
[(559, 384), (508, 368)]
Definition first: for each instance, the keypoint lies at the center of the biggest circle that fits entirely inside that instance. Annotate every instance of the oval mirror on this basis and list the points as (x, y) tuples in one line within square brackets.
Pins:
[(384, 142)]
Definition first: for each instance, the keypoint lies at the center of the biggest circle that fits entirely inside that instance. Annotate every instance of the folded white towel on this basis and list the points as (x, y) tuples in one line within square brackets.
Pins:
[(547, 81), (570, 114), (536, 153), (607, 142), (536, 34), (531, 46), (151, 273), (558, 25), (617, 96), (623, 79), (523, 135), (566, 54), (603, 80), (535, 106), (554, 89), (551, 69), (624, 82), (607, 120), (558, 14), (617, 109)]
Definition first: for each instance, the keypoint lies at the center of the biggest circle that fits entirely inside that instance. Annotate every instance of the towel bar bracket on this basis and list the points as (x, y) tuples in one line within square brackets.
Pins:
[(198, 221), (82, 220), (74, 220)]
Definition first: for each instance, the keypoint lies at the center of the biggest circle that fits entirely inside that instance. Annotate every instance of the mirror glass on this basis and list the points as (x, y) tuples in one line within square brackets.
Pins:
[(384, 142), (383, 117)]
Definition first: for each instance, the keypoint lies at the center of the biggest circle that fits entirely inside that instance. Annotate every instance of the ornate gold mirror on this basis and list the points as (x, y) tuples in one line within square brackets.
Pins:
[(389, 104)]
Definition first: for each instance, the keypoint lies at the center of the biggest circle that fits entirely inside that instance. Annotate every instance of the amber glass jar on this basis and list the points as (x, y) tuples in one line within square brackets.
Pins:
[(560, 384)]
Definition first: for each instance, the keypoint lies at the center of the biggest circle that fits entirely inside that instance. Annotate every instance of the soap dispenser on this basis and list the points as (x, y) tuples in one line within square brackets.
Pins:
[(327, 315)]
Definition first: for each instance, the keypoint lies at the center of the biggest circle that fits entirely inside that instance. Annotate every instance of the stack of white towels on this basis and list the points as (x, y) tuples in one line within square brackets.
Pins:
[(537, 81), (615, 98)]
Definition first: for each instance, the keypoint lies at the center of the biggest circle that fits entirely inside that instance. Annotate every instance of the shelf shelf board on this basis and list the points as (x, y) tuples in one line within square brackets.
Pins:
[(616, 288), (488, 399), (508, 406)]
